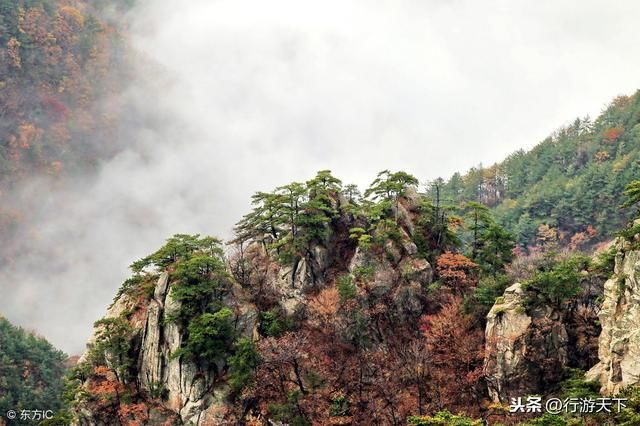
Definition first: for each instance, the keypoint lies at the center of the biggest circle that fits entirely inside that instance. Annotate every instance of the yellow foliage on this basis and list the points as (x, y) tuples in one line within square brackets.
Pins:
[(74, 14), (622, 163), (546, 234), (13, 50), (510, 203)]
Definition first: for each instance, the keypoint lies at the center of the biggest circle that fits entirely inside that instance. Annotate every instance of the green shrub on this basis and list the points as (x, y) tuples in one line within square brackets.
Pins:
[(363, 273), (158, 390), (488, 292), (548, 419), (201, 281), (630, 232), (346, 288), (560, 282), (242, 364), (210, 337), (499, 310), (630, 415), (575, 386), (339, 405), (274, 323), (443, 418), (288, 413), (605, 262), (129, 284), (112, 345)]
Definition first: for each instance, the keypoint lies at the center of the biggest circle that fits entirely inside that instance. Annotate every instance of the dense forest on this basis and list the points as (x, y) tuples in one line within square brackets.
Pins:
[(571, 182), (31, 371), (61, 71)]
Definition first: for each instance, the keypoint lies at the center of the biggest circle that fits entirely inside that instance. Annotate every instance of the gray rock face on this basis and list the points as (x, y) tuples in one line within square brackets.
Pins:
[(619, 342), (416, 270), (505, 333), (399, 274), (184, 386), (190, 392), (516, 344), (292, 282), (194, 394)]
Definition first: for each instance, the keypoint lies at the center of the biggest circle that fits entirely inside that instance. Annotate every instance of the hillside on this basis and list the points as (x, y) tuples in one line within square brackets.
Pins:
[(572, 181), (331, 304), (64, 67), (61, 71), (338, 308), (31, 372)]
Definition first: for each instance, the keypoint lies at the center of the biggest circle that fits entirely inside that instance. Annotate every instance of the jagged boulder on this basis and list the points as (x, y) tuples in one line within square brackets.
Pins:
[(416, 270), (506, 330), (524, 351), (619, 342), (397, 276), (292, 282)]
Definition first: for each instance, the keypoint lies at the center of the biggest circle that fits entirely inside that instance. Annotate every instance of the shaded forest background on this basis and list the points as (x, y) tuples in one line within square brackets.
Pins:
[(572, 181)]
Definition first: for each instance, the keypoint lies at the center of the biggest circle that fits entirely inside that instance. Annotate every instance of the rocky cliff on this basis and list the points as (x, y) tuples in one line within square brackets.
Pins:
[(333, 314), (277, 302), (538, 331), (525, 351), (619, 344), (179, 390)]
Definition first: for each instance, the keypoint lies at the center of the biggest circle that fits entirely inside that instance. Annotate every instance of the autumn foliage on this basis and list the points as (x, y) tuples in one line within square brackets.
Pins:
[(456, 271), (454, 345), (62, 59), (612, 134)]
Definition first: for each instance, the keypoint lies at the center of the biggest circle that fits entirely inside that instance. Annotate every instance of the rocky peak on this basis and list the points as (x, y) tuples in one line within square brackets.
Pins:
[(178, 363)]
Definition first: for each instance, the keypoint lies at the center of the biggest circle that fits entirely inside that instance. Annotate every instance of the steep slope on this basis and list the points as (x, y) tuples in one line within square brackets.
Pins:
[(572, 181), (327, 310), (294, 333), (540, 330), (128, 381)]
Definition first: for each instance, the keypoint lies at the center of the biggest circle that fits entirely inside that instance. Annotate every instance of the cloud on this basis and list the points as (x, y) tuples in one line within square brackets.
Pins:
[(248, 95)]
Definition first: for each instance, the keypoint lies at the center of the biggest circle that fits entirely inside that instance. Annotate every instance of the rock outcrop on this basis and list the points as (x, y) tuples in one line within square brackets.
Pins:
[(190, 392), (290, 284), (524, 350), (390, 282), (619, 343)]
